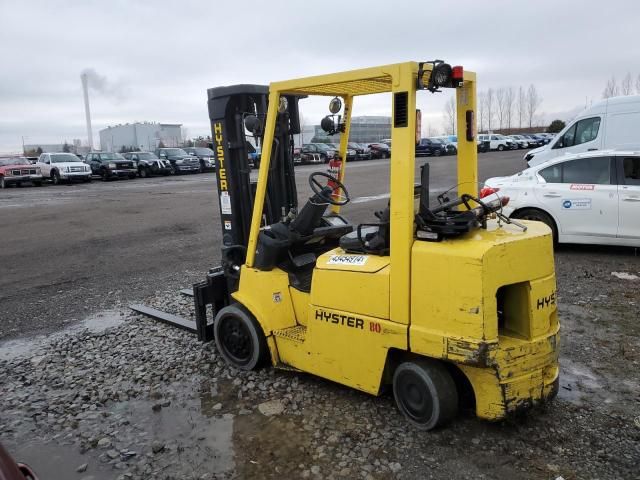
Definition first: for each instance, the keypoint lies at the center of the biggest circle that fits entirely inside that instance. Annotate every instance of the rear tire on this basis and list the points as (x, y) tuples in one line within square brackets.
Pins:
[(425, 393), (239, 338), (538, 216), (3, 183)]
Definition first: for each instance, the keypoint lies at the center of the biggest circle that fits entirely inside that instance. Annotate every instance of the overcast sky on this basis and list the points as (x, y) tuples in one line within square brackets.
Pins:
[(158, 57)]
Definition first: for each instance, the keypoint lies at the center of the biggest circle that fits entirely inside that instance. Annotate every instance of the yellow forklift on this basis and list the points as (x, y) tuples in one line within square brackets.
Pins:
[(434, 301)]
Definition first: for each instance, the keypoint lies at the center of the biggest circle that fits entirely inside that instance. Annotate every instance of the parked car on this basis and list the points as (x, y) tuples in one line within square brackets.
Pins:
[(428, 147), (205, 155), (149, 164), (111, 165), (19, 171), (329, 149), (590, 197), (63, 167), (361, 151), (312, 153), (181, 161), (520, 141), (533, 141), (449, 148), (613, 123), (497, 141), (380, 150)]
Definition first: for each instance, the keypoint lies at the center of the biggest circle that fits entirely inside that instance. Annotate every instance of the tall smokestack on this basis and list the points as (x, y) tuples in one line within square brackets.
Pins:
[(87, 110)]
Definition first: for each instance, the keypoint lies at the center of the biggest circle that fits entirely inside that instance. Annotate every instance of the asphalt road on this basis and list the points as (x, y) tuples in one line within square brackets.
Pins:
[(70, 250)]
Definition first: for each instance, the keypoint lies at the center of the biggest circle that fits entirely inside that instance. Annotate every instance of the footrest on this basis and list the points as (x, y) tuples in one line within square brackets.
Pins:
[(297, 333)]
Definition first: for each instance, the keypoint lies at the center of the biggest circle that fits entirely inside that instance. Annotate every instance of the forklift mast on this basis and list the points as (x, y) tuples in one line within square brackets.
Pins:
[(232, 110)]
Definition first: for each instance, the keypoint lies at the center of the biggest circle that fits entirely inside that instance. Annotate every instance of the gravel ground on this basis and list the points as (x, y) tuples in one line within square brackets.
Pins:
[(121, 396)]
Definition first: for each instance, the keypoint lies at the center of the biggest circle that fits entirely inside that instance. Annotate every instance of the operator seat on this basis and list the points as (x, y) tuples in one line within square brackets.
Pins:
[(372, 238)]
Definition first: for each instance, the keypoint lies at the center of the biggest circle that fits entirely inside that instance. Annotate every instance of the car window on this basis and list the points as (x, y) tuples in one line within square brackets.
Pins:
[(494, 137), (582, 131), (595, 170), (552, 174), (631, 170)]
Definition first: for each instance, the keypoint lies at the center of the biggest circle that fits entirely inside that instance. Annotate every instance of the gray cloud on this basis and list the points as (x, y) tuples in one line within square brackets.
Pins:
[(164, 55)]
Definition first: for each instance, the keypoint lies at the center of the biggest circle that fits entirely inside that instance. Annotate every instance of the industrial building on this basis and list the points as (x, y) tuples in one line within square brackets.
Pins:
[(364, 129), (140, 135)]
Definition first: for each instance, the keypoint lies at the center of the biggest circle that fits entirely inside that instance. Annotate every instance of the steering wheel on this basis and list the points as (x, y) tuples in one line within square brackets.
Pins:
[(319, 189)]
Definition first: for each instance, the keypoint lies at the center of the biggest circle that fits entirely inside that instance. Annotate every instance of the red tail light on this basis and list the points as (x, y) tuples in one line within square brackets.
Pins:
[(505, 201), (486, 191)]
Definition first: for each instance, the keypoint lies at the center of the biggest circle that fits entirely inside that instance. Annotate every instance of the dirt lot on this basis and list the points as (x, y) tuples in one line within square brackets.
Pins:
[(88, 386)]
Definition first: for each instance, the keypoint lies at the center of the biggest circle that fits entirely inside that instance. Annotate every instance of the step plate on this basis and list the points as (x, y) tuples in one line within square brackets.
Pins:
[(296, 334)]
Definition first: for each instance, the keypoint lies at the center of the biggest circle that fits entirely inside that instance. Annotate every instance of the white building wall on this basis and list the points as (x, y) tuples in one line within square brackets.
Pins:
[(144, 136)]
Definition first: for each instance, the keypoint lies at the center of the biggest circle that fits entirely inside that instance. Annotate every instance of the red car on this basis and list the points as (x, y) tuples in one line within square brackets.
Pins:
[(16, 171)]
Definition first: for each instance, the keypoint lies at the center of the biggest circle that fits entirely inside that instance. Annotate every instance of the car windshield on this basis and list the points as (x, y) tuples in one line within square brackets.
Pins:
[(436, 140), (205, 152), (13, 161), (64, 157), (146, 156), (174, 151), (111, 156)]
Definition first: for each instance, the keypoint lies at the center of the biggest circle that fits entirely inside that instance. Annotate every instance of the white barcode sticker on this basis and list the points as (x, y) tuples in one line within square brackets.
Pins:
[(225, 203)]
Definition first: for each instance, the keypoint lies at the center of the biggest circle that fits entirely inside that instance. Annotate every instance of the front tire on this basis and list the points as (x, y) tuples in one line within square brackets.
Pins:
[(3, 183), (500, 148), (538, 216), (104, 175), (425, 393), (55, 178), (239, 338), (144, 172)]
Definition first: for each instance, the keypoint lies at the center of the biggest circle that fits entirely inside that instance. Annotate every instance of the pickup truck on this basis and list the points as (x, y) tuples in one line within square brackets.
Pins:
[(181, 161), (149, 164), (205, 155), (16, 171), (63, 167), (111, 165), (427, 146)]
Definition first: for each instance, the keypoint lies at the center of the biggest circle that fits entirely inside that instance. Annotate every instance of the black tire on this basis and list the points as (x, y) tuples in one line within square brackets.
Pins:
[(425, 393), (239, 338), (202, 169), (538, 216), (104, 175), (87, 180), (3, 183), (55, 177), (132, 176), (144, 172), (37, 184), (500, 148), (437, 153)]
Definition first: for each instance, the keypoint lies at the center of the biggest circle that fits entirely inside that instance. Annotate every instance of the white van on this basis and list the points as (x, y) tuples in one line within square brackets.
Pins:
[(612, 124)]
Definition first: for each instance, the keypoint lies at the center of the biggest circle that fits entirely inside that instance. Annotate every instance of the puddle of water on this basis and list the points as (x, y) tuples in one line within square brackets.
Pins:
[(32, 346), (578, 383), (55, 462)]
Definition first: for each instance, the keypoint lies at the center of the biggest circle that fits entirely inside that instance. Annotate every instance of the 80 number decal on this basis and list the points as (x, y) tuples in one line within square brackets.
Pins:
[(375, 327)]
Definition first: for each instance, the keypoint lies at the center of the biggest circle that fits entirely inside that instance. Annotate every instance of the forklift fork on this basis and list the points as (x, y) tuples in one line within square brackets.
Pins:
[(213, 291)]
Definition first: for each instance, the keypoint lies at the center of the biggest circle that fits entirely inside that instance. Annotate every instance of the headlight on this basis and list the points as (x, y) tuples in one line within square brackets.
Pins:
[(87, 168), (113, 166)]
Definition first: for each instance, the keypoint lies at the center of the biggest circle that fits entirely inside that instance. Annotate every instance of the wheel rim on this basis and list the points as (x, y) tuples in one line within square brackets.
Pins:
[(236, 340), (414, 397)]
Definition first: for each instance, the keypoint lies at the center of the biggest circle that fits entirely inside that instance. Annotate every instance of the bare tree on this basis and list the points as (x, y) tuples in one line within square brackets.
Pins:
[(626, 87), (450, 116), (638, 84), (490, 105), (482, 113), (521, 105), (611, 90), (509, 98), (533, 102), (500, 94)]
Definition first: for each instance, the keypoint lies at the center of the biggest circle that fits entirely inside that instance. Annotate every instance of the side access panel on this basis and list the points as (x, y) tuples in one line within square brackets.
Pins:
[(344, 347)]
